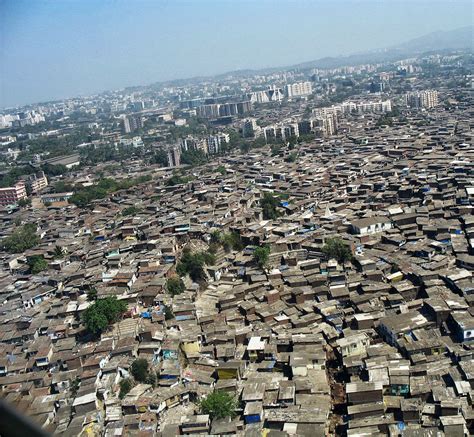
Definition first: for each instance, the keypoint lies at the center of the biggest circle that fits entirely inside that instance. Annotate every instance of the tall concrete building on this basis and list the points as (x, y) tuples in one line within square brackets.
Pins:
[(132, 122), (422, 99), (298, 89), (11, 195), (37, 182), (216, 142), (216, 110), (281, 131), (250, 128), (174, 157)]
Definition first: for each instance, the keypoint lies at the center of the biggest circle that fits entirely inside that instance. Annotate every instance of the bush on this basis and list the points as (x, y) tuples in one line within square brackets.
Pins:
[(139, 369), (175, 286), (101, 313), (92, 295), (193, 157), (221, 169), (21, 239), (168, 313), (336, 248), (261, 255), (232, 241), (131, 210), (219, 405), (37, 264), (177, 180), (193, 264), (269, 205), (125, 386), (86, 195), (24, 202)]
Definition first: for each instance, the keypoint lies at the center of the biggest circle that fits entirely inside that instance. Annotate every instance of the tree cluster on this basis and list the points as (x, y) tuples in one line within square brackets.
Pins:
[(261, 255), (175, 285), (22, 238), (104, 187), (192, 264), (37, 264), (269, 204), (337, 249), (103, 312), (219, 405)]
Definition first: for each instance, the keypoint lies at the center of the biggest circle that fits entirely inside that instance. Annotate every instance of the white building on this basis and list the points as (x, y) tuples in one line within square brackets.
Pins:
[(422, 99), (298, 89), (371, 225)]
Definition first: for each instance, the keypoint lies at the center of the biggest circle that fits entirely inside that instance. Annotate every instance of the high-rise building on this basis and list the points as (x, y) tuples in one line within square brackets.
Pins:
[(11, 195), (422, 99), (216, 110), (216, 142), (37, 182), (132, 123), (250, 128), (272, 94), (281, 131), (298, 89), (174, 157)]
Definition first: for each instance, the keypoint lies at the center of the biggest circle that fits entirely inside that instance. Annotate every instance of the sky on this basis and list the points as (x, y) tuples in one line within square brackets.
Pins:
[(54, 49)]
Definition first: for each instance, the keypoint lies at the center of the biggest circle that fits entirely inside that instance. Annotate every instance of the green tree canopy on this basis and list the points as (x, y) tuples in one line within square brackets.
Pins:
[(131, 210), (168, 313), (219, 405), (269, 204), (37, 264), (125, 386), (101, 313), (177, 179), (260, 256), (160, 157), (175, 285), (22, 238), (336, 248), (193, 264), (231, 241), (139, 369)]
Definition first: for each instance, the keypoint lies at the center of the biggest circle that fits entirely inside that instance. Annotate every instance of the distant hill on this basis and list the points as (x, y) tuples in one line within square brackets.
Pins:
[(456, 39), (440, 40)]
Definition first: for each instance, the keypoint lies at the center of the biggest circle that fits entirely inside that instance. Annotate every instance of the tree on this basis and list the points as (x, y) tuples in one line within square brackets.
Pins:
[(275, 149), (125, 386), (291, 157), (232, 241), (192, 264), (175, 285), (139, 369), (219, 405), (92, 295), (260, 256), (23, 238), (193, 157), (101, 313), (131, 210), (160, 157), (168, 313), (177, 179), (58, 252), (337, 249), (269, 206), (37, 264), (24, 202), (75, 386), (221, 169)]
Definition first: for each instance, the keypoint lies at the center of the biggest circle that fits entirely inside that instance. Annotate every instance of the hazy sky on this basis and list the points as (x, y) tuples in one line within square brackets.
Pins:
[(62, 48)]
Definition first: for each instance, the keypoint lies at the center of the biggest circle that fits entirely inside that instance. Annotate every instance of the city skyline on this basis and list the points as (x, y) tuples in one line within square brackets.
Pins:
[(63, 51)]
